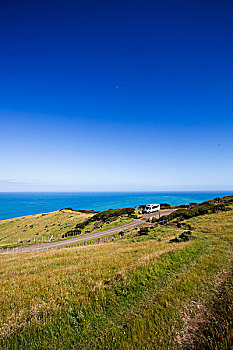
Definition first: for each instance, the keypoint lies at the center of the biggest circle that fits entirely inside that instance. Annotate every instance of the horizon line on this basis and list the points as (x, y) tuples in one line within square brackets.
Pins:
[(122, 191)]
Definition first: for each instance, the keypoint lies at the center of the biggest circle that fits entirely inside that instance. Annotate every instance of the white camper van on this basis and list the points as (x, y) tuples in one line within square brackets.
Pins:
[(151, 208)]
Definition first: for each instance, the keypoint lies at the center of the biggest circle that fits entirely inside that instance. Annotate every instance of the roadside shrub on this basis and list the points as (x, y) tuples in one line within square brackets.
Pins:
[(121, 233), (207, 207), (182, 206), (165, 206), (183, 237), (172, 216), (107, 215), (71, 233), (143, 231)]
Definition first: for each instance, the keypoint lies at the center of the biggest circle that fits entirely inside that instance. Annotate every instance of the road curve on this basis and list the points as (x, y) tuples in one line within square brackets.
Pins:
[(44, 246)]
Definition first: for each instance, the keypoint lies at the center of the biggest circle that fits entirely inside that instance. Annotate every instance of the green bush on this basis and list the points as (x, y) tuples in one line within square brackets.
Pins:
[(71, 233), (182, 206), (90, 211), (207, 207), (165, 206), (143, 231), (183, 237), (107, 215)]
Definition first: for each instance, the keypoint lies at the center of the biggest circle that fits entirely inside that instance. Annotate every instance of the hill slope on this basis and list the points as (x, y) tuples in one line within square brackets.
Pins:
[(40, 227), (140, 292)]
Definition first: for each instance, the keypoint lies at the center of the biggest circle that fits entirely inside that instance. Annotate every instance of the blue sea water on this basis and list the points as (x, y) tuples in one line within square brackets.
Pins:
[(21, 204)]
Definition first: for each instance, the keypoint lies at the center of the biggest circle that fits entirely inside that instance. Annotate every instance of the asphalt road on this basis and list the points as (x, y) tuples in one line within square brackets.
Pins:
[(78, 239), (162, 213)]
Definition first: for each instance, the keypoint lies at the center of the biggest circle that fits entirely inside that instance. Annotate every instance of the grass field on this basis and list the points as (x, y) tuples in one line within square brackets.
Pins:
[(135, 293), (41, 227)]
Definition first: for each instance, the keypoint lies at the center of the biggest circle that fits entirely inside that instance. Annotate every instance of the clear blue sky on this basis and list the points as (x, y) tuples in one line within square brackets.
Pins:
[(116, 95)]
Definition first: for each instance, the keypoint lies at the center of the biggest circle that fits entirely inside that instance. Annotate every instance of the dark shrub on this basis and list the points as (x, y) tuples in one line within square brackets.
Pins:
[(165, 206), (221, 207), (207, 207), (107, 215), (121, 233), (183, 237), (71, 233), (144, 231), (90, 211)]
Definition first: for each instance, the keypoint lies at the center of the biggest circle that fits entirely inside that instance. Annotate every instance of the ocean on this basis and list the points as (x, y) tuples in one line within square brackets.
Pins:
[(21, 204)]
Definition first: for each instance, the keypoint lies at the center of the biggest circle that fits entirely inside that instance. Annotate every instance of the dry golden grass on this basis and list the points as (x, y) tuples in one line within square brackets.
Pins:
[(47, 282), (123, 294), (220, 224), (39, 226)]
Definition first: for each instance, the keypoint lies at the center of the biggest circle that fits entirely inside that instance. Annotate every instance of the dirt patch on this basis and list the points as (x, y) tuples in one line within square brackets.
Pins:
[(195, 316), (210, 319)]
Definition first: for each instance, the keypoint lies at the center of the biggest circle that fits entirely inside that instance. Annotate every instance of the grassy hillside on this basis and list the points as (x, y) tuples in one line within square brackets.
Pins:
[(140, 292), (103, 220), (40, 226), (58, 224), (215, 205)]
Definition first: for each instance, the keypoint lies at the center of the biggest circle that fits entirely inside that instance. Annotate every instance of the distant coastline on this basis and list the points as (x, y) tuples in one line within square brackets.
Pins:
[(16, 204)]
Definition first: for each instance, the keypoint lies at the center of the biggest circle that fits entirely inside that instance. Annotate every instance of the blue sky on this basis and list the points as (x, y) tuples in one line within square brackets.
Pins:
[(116, 95)]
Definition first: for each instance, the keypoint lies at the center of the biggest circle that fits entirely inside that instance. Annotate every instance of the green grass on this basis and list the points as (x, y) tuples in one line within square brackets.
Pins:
[(217, 332), (134, 293)]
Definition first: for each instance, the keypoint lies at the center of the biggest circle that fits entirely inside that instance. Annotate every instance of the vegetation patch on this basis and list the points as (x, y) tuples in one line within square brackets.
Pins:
[(143, 231), (183, 237), (209, 207), (106, 216), (165, 206), (71, 233), (85, 211)]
